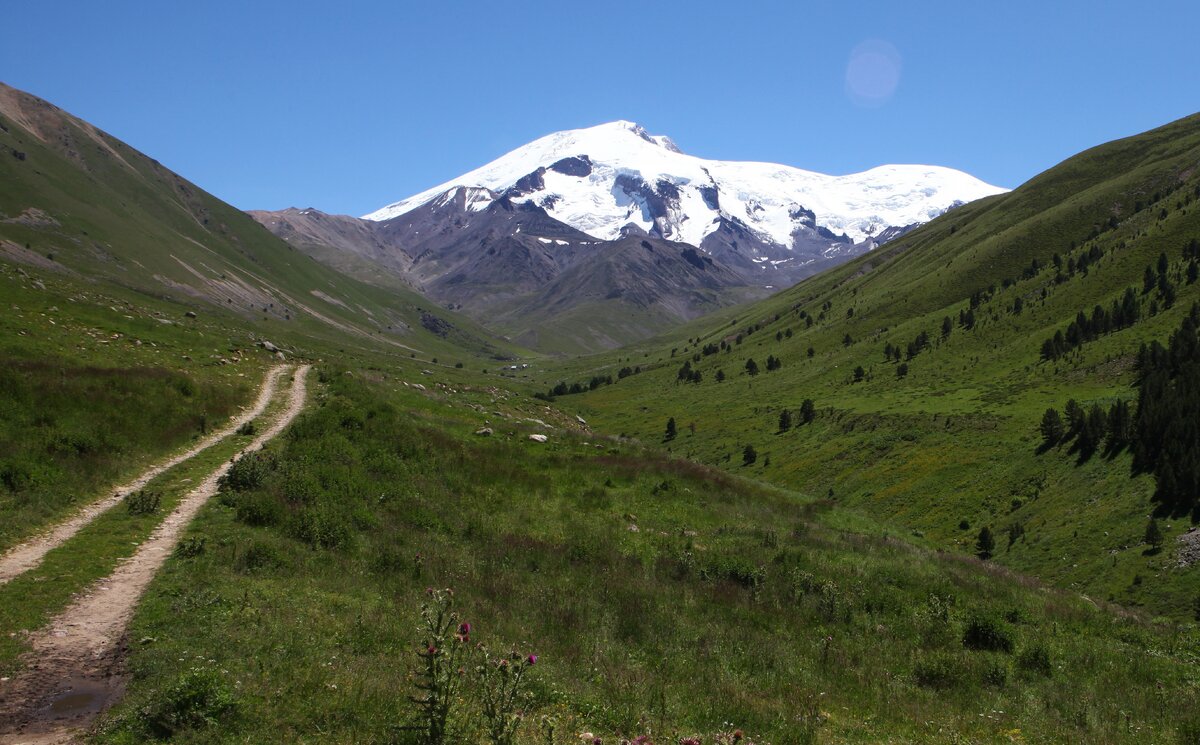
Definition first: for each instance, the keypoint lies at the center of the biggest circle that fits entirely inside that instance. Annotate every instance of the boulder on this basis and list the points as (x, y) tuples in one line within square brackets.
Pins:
[(538, 438), (484, 432)]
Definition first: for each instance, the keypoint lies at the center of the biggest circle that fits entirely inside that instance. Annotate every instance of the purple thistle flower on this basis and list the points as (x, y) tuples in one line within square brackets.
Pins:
[(532, 659)]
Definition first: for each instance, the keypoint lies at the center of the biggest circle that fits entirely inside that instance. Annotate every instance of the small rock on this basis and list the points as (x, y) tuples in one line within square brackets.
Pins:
[(484, 432), (634, 529), (581, 420), (190, 314), (268, 346), (279, 355), (538, 438)]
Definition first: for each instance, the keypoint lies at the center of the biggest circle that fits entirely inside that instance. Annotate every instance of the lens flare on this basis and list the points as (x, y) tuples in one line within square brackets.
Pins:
[(873, 73)]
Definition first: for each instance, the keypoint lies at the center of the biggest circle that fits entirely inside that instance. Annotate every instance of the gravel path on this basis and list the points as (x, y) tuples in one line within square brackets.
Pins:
[(73, 671)]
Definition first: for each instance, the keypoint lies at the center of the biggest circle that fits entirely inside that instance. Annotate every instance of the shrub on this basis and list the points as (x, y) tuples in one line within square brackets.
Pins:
[(1036, 660), (986, 632), (247, 429), (144, 502), (199, 698), (257, 556), (259, 510), (190, 547), (995, 673), (320, 527), (248, 472)]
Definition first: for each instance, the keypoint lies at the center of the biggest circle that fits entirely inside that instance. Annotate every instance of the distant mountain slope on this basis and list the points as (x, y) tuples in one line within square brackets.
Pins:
[(523, 273), (576, 195), (76, 199), (929, 372)]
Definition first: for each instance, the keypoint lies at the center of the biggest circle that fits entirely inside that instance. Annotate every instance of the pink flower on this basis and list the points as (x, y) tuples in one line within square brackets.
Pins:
[(432, 650), (464, 628), (532, 659)]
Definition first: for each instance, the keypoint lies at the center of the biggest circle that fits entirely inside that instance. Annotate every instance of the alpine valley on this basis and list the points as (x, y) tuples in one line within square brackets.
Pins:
[(600, 443), (592, 238)]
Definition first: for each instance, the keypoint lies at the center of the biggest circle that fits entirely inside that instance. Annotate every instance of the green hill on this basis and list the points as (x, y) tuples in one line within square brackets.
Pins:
[(946, 441)]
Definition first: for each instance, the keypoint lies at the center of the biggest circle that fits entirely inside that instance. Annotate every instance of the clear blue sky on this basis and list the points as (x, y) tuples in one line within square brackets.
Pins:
[(348, 106)]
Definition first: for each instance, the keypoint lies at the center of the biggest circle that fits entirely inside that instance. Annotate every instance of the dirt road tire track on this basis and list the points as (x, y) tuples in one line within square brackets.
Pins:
[(25, 556), (77, 657)]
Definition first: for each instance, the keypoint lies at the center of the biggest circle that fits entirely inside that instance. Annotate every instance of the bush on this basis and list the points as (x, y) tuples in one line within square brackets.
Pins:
[(199, 698), (190, 547), (143, 502), (257, 556), (1036, 660), (248, 472), (995, 673), (320, 527), (247, 429), (985, 632), (259, 510)]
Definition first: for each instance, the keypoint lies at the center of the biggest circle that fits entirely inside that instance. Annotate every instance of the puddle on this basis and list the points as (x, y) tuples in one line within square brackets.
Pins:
[(80, 697)]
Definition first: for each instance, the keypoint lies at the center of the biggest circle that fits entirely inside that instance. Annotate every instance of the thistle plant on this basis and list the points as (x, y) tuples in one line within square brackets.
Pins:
[(501, 695), (444, 648)]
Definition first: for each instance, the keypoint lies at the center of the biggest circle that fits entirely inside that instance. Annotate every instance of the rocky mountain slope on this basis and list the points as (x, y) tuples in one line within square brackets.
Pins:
[(499, 241)]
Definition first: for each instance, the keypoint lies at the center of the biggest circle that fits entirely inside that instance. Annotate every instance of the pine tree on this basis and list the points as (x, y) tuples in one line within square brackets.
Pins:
[(1052, 428), (808, 411), (785, 420), (749, 455), (947, 327), (859, 374), (671, 431), (751, 367), (1075, 418), (985, 544), (1091, 435), (1154, 536)]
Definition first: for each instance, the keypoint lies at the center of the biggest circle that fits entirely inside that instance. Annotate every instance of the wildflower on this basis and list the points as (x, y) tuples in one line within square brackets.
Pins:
[(464, 628), (532, 659), (431, 650), (738, 735)]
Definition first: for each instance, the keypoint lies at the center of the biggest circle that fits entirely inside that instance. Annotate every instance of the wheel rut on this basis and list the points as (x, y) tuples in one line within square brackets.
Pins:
[(25, 556), (74, 669)]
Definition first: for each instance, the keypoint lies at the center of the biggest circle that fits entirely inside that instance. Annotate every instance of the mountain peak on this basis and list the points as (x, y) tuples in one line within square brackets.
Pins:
[(603, 178)]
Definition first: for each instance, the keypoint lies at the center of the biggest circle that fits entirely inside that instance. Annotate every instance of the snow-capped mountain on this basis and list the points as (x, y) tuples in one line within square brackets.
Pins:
[(615, 178)]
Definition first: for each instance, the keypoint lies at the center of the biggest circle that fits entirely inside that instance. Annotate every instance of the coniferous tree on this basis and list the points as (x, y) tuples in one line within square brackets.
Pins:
[(1153, 536), (785, 420), (1091, 435), (947, 327), (751, 367), (749, 455), (808, 411), (1120, 426), (671, 430), (985, 544), (859, 374), (1052, 428), (720, 376), (902, 370), (1075, 417)]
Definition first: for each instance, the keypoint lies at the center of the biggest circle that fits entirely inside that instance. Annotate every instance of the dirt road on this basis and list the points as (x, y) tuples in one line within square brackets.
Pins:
[(25, 556), (73, 671)]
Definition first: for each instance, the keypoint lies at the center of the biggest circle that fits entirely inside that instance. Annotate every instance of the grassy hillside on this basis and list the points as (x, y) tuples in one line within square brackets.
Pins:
[(661, 597), (79, 202), (947, 441)]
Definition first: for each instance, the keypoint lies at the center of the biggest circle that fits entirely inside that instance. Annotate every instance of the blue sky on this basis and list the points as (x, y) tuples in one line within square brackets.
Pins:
[(348, 106)]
